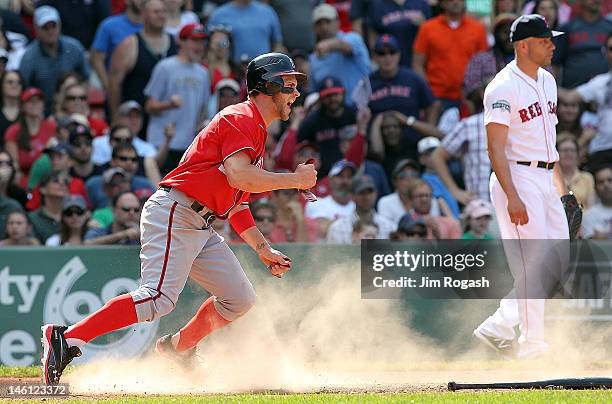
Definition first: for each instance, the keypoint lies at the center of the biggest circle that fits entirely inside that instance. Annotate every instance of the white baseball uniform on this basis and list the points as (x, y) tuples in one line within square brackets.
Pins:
[(528, 108)]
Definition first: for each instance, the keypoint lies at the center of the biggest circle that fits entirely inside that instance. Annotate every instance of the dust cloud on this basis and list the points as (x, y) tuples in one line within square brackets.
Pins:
[(323, 336)]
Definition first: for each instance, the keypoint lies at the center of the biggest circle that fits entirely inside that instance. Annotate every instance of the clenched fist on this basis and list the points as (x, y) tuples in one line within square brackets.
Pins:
[(305, 176)]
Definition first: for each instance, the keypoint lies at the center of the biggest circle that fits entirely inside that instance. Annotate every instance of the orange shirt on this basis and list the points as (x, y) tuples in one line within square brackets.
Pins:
[(447, 52)]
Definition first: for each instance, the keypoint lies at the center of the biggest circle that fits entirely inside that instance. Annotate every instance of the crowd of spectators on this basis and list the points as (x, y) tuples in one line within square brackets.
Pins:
[(100, 99)]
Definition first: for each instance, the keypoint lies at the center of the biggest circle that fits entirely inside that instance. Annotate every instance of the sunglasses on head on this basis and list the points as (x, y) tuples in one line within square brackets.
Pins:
[(128, 209), (74, 211), (76, 97), (126, 159)]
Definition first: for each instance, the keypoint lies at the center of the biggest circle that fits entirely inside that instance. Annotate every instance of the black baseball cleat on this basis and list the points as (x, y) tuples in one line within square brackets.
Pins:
[(56, 352), (504, 347), (187, 360)]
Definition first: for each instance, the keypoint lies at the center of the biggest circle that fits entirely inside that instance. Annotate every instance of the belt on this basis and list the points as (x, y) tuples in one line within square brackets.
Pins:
[(207, 214), (539, 164)]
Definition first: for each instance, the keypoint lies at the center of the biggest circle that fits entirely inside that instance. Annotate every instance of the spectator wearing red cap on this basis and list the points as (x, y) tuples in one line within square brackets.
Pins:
[(399, 18), (178, 93), (26, 139)]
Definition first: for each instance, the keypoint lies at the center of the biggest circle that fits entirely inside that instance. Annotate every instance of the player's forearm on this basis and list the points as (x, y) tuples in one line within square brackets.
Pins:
[(558, 180), (256, 180), (255, 239), (501, 167)]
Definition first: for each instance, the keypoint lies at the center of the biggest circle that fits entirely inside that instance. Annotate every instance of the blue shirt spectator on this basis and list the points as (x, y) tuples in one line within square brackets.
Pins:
[(111, 32), (395, 87), (337, 53), (255, 27), (400, 20)]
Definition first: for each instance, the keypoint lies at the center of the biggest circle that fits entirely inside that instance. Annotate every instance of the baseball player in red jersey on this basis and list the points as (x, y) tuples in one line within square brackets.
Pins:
[(214, 179)]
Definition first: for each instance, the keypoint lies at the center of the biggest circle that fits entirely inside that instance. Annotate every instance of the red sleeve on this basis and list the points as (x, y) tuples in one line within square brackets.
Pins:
[(11, 133), (286, 150), (355, 153), (234, 139)]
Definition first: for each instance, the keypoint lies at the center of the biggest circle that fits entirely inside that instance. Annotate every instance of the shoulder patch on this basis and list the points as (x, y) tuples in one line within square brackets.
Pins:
[(501, 104)]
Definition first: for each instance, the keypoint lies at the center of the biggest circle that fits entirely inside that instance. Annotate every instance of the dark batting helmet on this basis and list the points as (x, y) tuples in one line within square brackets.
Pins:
[(265, 73)]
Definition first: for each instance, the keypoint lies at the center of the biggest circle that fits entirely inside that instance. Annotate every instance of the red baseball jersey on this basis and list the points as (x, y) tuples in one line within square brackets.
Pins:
[(201, 175)]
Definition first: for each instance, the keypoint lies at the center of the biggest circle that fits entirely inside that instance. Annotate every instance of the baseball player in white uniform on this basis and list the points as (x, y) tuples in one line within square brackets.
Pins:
[(520, 118)]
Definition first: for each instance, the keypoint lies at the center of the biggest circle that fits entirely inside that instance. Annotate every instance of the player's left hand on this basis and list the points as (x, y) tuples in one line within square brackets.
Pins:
[(276, 262)]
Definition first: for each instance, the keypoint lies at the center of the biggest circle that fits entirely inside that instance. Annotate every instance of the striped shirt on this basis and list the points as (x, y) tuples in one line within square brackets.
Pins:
[(468, 140)]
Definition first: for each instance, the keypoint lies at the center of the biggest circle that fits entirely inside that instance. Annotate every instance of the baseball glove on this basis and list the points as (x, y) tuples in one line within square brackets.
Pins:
[(573, 212)]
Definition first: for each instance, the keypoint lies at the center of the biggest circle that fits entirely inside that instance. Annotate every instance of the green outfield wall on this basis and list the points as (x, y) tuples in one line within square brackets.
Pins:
[(61, 285)]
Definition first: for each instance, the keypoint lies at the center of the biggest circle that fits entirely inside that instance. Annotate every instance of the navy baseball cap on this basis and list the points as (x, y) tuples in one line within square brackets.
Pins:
[(330, 85), (386, 41), (531, 26), (408, 221), (339, 166)]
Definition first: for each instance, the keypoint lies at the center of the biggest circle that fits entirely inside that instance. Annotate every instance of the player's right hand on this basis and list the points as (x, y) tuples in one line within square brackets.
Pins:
[(517, 211), (305, 176)]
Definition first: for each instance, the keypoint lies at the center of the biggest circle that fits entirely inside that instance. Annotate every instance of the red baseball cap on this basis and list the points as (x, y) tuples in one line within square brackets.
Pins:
[(192, 31), (31, 92)]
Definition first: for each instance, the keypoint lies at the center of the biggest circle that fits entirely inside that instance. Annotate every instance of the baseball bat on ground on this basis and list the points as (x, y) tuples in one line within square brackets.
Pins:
[(562, 384)]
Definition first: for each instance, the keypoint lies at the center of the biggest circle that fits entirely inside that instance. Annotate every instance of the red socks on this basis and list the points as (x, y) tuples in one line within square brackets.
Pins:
[(117, 313), (205, 321)]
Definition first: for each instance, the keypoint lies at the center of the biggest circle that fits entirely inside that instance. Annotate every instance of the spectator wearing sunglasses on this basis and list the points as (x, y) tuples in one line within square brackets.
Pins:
[(80, 141), (46, 219), (18, 228), (73, 99), (438, 227), (124, 228), (219, 55), (73, 224), (124, 160), (177, 95), (398, 88), (290, 224)]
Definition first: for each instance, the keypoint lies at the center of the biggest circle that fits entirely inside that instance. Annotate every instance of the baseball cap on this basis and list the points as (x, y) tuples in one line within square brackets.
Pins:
[(60, 147), (324, 12), (386, 41), (77, 131), (78, 119), (531, 26), (228, 83), (408, 221), (399, 167), (45, 14), (362, 183), (330, 85), (107, 176), (74, 201), (477, 208), (427, 143), (192, 31), (31, 92), (339, 166), (128, 106)]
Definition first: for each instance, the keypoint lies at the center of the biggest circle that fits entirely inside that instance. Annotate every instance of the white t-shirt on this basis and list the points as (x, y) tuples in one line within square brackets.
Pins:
[(597, 218), (187, 17), (528, 108), (599, 89), (102, 150), (329, 209), (392, 208)]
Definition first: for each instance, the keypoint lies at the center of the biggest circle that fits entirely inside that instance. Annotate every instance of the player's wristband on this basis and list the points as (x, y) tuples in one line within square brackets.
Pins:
[(242, 221)]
